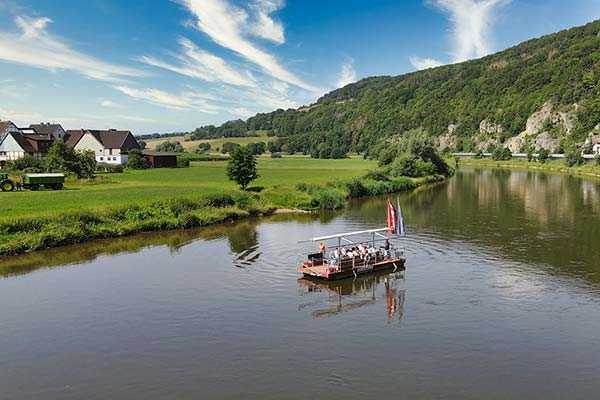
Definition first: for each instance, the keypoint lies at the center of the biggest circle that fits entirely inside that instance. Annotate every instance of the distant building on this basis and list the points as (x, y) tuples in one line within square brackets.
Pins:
[(594, 141), (6, 127), (109, 146), (54, 130), (160, 159), (16, 143)]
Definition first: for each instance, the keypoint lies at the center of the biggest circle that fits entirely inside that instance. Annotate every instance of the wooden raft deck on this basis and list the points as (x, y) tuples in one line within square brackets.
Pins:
[(348, 268)]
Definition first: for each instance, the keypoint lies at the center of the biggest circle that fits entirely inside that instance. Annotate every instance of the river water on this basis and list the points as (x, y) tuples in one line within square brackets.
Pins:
[(500, 299)]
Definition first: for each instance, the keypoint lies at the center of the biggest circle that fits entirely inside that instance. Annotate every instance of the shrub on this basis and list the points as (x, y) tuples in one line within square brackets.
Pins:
[(501, 154), (170, 147), (257, 148), (597, 159), (356, 188), (219, 200), (26, 163), (203, 148), (573, 157), (276, 155), (327, 198), (543, 156), (109, 168), (377, 175), (229, 147), (136, 160), (183, 162), (62, 158)]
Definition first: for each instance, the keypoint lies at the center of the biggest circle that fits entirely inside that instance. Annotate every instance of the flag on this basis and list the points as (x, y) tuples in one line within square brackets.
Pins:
[(400, 229), (392, 218)]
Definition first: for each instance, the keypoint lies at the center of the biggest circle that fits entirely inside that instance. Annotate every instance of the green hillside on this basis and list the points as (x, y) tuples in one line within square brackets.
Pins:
[(560, 71)]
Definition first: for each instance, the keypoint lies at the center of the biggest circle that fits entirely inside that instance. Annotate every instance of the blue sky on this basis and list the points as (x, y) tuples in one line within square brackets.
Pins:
[(171, 65)]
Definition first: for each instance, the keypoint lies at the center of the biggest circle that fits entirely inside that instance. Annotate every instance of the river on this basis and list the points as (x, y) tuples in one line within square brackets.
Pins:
[(500, 299)]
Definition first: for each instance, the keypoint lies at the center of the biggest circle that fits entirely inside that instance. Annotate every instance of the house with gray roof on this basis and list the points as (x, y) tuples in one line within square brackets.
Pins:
[(56, 131), (15, 144)]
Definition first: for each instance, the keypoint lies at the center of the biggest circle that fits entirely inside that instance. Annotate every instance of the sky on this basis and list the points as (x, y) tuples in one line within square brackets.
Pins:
[(174, 65)]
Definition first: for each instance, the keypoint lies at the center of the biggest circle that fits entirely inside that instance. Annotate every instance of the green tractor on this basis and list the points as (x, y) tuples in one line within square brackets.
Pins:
[(6, 184)]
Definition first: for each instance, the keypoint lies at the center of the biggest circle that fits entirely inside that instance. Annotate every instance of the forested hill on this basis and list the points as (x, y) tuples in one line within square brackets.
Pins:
[(544, 92)]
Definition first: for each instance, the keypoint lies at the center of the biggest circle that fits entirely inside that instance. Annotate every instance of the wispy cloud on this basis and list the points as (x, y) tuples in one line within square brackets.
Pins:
[(197, 63), (424, 63), (265, 26), (185, 100), (109, 104), (228, 26), (347, 74), (32, 45), (471, 24)]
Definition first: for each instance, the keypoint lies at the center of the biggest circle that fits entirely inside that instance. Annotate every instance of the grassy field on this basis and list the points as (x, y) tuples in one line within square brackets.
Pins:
[(140, 187), (215, 143), (117, 205)]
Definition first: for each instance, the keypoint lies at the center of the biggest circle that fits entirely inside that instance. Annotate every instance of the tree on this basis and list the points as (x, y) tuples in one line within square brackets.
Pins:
[(573, 157), (170, 147), (203, 147), (257, 148), (229, 147), (136, 160), (241, 167), (543, 156), (62, 158), (142, 144), (26, 163)]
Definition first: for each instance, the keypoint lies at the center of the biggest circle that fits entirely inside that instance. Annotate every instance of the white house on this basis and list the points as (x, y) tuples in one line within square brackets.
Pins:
[(17, 145), (111, 146)]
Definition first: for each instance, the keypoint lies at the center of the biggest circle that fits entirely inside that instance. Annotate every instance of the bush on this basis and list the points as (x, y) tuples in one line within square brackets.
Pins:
[(203, 148), (26, 163), (62, 158), (573, 157), (257, 148), (597, 159), (229, 147), (377, 175), (136, 160), (170, 147), (219, 200), (109, 168), (183, 162), (501, 154), (543, 156), (276, 155)]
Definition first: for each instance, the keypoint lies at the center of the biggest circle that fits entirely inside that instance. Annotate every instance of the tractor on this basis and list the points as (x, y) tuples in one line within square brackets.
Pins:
[(6, 184)]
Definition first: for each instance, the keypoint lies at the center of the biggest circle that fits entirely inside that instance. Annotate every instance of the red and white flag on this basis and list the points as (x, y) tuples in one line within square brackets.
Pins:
[(392, 217)]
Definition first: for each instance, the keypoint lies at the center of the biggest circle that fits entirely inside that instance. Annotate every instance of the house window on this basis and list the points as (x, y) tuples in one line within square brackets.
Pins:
[(114, 158), (101, 158)]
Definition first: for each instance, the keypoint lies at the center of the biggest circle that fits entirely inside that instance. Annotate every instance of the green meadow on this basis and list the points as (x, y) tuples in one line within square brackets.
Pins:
[(146, 186)]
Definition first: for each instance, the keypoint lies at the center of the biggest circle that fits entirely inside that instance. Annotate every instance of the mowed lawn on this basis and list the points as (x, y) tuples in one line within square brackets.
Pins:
[(139, 187)]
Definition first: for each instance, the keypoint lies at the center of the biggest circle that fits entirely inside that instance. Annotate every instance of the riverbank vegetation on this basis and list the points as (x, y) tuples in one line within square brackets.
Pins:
[(116, 205), (589, 169)]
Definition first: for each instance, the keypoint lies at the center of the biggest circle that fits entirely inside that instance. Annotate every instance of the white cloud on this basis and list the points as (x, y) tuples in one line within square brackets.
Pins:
[(109, 104), (197, 63), (471, 24), (226, 25), (20, 118), (265, 26), (242, 112), (348, 74), (424, 63), (34, 46), (186, 100)]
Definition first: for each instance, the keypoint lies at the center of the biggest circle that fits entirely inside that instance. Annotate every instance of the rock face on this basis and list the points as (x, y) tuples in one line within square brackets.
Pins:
[(561, 119), (489, 128), (485, 144), (514, 144), (546, 142)]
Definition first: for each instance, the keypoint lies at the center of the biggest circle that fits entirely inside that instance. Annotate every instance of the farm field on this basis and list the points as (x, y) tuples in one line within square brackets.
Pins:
[(215, 143), (145, 186)]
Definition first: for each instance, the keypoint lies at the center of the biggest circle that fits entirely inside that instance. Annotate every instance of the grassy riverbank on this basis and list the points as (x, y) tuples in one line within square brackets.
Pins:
[(553, 166), (137, 201)]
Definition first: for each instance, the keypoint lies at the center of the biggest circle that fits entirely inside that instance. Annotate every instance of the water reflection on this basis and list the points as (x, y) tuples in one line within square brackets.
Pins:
[(327, 299)]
